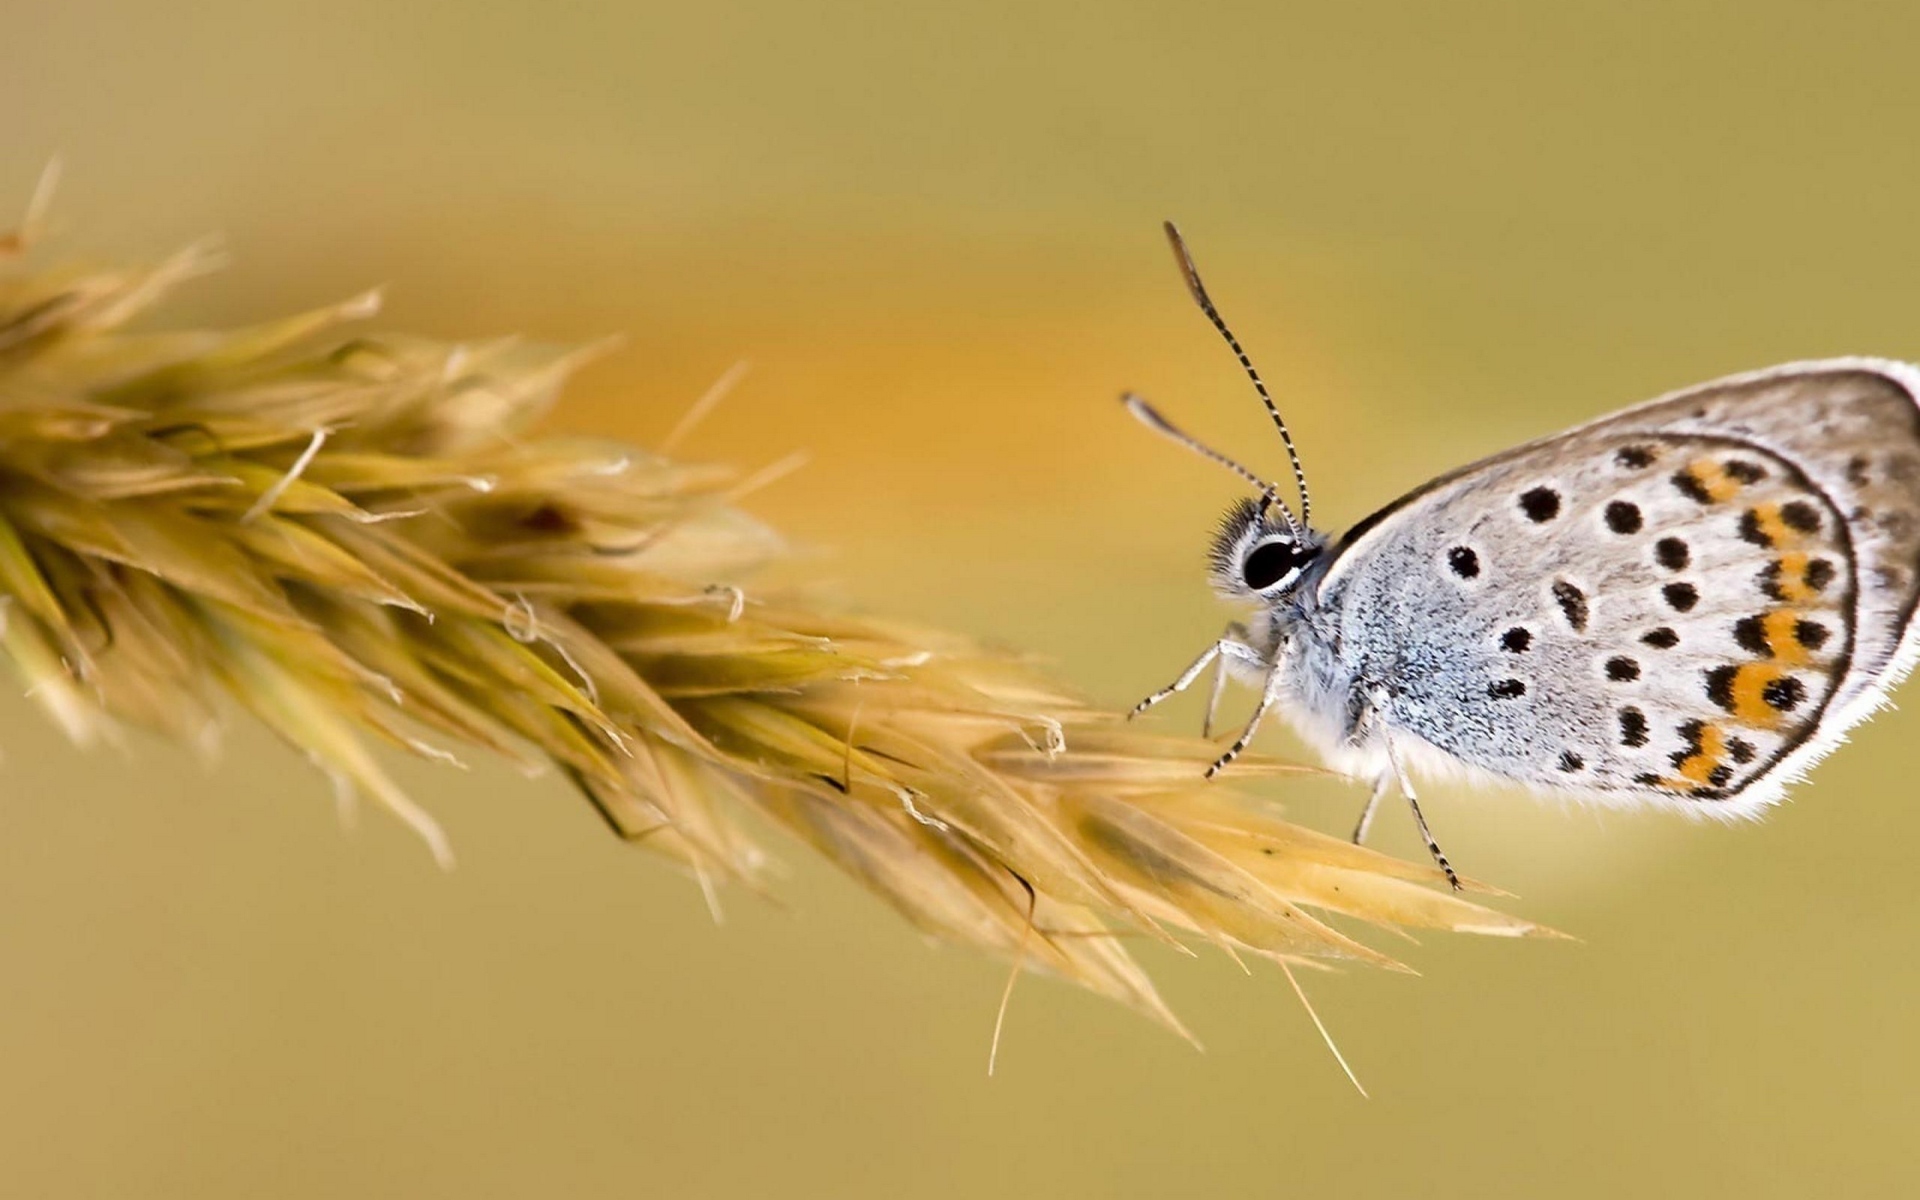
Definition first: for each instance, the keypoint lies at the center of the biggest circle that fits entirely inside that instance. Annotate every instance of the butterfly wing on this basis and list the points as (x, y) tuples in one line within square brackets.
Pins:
[(1691, 600)]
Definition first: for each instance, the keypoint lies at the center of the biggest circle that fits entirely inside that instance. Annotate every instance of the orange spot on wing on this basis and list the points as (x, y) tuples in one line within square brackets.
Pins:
[(1713, 479), (1698, 767), (1792, 581), (1776, 531), (1748, 694), (1782, 629)]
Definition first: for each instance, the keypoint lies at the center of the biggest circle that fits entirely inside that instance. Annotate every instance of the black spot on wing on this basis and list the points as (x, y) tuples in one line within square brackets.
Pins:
[(1800, 516), (1541, 504), (1784, 694), (1691, 487), (1633, 727), (1572, 602), (1623, 517), (1681, 597), (1770, 584), (1720, 686)]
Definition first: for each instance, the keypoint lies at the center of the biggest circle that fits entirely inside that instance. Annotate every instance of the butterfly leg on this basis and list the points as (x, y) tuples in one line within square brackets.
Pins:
[(1419, 818), (1361, 706), (1365, 712), (1228, 648), (1236, 633), (1253, 724), (1380, 786)]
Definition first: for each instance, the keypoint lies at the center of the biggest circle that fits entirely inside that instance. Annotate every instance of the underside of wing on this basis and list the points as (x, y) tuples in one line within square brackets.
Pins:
[(1689, 600)]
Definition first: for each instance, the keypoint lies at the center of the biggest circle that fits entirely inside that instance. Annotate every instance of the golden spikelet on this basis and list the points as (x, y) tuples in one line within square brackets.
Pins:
[(354, 535)]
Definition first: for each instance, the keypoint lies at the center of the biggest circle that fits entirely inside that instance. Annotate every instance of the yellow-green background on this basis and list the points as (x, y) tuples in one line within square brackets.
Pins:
[(933, 230)]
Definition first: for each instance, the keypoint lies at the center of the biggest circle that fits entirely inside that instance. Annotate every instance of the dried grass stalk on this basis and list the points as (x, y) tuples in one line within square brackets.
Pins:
[(354, 535)]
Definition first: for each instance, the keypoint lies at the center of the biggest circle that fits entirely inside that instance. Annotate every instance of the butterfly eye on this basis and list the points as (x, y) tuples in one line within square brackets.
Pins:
[(1271, 562)]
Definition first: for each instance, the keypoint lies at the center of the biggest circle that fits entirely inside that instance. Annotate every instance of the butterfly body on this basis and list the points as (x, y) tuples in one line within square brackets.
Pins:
[(1686, 603)]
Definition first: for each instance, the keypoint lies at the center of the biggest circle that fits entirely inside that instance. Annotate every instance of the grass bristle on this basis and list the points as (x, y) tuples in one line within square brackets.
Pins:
[(359, 539)]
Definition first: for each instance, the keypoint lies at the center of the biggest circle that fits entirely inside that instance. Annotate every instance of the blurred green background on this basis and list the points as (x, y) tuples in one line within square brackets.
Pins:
[(933, 231)]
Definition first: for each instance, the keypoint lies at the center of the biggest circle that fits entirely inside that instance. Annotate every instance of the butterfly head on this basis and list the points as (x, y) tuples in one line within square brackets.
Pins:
[(1259, 553)]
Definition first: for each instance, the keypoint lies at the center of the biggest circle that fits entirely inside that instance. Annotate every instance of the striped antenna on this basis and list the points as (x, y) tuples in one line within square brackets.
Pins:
[(1200, 297), (1149, 416)]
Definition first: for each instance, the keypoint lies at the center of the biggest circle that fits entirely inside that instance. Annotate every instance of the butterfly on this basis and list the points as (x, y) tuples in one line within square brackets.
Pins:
[(1686, 603)]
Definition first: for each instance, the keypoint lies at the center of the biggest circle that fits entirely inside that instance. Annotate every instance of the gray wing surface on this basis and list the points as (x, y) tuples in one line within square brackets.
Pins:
[(1690, 599)]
